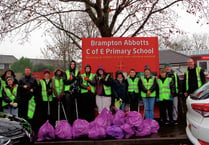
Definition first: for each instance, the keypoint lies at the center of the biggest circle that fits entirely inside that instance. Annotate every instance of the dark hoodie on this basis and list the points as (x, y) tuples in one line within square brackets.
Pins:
[(100, 81), (72, 73), (4, 76), (120, 87)]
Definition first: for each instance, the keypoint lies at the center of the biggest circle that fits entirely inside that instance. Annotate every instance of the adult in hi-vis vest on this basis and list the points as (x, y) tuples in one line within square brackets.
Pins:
[(86, 101), (148, 87), (175, 78), (133, 90), (103, 89), (9, 97), (27, 96), (48, 101), (71, 82), (166, 91), (194, 78)]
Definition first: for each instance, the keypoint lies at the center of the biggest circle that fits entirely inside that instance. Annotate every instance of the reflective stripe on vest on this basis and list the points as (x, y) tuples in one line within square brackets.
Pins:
[(148, 85), (31, 108), (12, 95), (59, 85), (176, 81), (133, 85), (44, 94), (107, 89), (67, 87), (85, 83), (199, 82), (164, 89)]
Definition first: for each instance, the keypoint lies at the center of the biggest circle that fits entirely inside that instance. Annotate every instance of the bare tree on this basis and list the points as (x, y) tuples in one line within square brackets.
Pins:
[(112, 18), (188, 42)]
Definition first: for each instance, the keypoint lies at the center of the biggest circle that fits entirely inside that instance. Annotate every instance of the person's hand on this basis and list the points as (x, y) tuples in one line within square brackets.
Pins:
[(25, 86), (186, 94), (148, 93), (86, 79), (11, 103), (31, 90), (89, 88), (14, 104)]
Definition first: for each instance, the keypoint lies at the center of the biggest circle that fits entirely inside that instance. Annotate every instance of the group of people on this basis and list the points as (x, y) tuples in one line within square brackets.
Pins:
[(70, 95)]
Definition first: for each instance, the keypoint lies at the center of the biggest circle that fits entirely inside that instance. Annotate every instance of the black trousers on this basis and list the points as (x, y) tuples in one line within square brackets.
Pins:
[(69, 102), (86, 105), (133, 99), (166, 105)]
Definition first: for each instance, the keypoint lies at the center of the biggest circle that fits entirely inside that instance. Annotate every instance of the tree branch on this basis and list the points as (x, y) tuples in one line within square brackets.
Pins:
[(145, 21)]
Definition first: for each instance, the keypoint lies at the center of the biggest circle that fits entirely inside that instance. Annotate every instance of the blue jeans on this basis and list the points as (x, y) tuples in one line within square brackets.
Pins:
[(12, 111), (122, 107), (149, 107)]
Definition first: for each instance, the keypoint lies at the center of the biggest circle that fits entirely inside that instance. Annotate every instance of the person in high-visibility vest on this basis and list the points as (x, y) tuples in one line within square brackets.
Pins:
[(1, 88), (166, 91), (57, 93), (27, 95), (103, 92), (7, 74), (133, 90), (9, 97), (86, 101), (120, 90), (194, 78), (71, 82), (48, 101), (148, 86), (175, 78)]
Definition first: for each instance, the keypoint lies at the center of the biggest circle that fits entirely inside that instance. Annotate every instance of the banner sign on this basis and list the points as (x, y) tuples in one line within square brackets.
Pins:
[(121, 53)]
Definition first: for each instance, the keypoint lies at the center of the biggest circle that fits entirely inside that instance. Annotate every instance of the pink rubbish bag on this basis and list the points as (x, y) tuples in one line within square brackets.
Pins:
[(134, 119), (128, 130), (97, 132), (153, 124), (46, 132), (105, 118), (115, 132), (63, 130), (119, 118), (80, 128)]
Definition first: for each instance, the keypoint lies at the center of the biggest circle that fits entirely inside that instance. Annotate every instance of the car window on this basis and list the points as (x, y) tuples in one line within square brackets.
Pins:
[(202, 92)]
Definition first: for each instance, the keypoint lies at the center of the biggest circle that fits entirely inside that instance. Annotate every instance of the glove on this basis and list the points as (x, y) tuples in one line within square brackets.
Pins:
[(89, 88), (86, 79), (70, 78)]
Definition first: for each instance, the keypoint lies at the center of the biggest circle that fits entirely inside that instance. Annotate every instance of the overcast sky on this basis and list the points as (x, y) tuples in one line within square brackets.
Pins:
[(32, 48)]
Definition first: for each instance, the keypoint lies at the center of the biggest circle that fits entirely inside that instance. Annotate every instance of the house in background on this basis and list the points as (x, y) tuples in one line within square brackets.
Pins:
[(6, 61)]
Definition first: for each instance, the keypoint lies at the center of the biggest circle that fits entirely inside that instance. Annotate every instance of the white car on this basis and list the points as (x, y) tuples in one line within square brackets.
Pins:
[(198, 116)]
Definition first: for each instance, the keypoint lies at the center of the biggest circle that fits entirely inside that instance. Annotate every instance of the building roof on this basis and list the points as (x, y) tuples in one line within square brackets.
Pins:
[(7, 59), (171, 56)]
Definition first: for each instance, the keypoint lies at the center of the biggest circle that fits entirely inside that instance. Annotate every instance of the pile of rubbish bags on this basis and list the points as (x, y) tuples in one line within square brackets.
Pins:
[(106, 125)]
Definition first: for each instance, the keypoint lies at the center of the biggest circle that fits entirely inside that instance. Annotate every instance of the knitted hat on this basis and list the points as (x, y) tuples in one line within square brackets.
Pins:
[(46, 71), (167, 64), (146, 67)]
